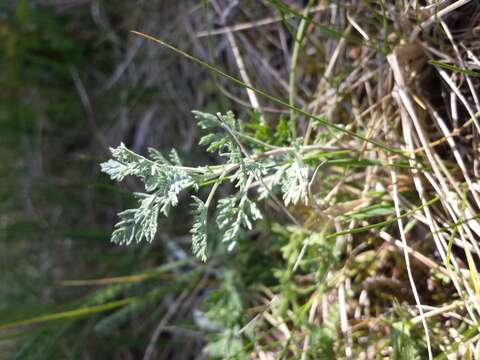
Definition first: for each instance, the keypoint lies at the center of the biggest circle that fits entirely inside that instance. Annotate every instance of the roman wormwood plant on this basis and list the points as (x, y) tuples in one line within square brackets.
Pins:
[(251, 165)]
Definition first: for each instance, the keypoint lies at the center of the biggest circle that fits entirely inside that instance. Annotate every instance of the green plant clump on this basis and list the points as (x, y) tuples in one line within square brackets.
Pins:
[(246, 168)]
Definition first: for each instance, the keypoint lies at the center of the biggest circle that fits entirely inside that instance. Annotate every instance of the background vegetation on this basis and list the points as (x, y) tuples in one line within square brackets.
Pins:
[(365, 114)]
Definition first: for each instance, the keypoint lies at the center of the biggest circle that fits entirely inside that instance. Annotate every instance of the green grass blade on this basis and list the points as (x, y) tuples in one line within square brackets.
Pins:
[(69, 314), (233, 79)]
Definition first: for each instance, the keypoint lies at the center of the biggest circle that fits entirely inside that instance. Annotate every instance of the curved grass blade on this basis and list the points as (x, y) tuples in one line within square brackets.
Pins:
[(69, 314), (233, 79)]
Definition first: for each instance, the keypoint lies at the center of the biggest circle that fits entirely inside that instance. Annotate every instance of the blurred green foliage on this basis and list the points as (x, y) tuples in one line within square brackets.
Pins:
[(54, 207)]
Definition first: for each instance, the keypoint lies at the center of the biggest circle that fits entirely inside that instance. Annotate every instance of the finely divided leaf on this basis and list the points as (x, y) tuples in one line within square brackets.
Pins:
[(233, 214), (295, 183), (163, 181), (199, 230)]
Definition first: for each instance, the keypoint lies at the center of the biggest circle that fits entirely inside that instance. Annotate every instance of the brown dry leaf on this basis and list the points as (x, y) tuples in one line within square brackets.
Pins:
[(411, 59)]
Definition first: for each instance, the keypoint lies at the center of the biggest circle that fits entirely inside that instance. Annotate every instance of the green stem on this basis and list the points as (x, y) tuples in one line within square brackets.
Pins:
[(292, 91)]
